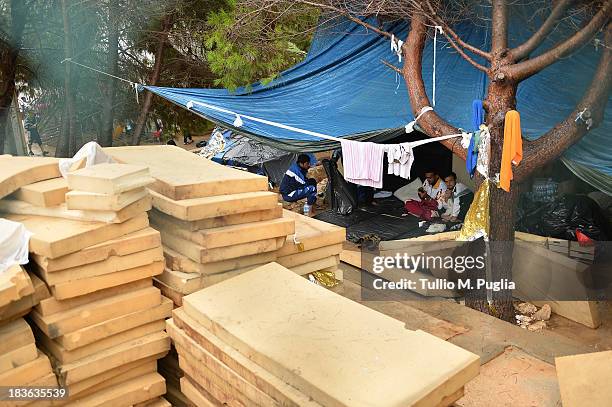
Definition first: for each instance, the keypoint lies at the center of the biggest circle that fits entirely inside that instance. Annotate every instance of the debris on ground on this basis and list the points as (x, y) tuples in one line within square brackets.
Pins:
[(530, 317), (543, 314), (525, 308), (536, 326), (523, 320), (322, 186)]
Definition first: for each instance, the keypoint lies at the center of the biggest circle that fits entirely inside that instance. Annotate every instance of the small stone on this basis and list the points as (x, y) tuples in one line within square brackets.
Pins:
[(536, 326), (543, 314), (526, 308)]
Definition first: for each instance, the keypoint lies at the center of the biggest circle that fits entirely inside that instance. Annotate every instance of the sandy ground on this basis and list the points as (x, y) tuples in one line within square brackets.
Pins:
[(517, 366)]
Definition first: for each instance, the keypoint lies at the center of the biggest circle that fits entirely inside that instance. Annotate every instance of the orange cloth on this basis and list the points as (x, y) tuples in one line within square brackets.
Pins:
[(513, 148)]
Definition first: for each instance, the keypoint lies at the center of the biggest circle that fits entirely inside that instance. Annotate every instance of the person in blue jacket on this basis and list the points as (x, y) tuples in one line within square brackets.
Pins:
[(295, 185)]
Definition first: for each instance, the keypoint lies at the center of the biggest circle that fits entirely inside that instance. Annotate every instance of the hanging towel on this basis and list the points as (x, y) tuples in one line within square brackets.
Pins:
[(400, 158), (471, 159), (363, 163), (512, 152), (477, 114)]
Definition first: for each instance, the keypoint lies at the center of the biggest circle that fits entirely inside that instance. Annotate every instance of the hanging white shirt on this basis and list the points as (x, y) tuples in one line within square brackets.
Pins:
[(400, 158)]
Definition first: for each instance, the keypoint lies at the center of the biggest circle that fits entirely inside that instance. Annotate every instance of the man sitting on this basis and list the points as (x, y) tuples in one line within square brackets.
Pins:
[(449, 203), (295, 185), (431, 191)]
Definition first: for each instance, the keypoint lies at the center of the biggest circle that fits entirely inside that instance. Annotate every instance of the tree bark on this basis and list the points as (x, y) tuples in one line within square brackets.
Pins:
[(69, 145), (499, 25), (105, 138), (9, 52), (432, 124), (523, 50), (159, 55)]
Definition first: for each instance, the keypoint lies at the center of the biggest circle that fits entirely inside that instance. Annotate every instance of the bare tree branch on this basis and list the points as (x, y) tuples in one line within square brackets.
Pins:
[(467, 57), (432, 124), (567, 132), (530, 67), (393, 67), (499, 39), (347, 15), (449, 31), (540, 35)]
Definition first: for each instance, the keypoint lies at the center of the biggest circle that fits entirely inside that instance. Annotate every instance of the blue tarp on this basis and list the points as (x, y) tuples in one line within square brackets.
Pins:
[(342, 89)]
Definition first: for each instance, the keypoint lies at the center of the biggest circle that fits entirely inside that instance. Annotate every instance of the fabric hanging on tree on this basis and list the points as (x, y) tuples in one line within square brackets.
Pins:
[(512, 152), (471, 159), (478, 114), (476, 223), (484, 149), (472, 154)]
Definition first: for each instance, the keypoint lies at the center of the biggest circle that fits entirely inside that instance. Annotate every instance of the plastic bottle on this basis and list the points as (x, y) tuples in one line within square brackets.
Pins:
[(306, 209)]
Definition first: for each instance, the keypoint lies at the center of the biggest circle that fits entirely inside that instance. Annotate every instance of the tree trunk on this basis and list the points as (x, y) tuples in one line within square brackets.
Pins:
[(501, 97), (69, 142), (7, 89), (142, 118), (105, 137), (8, 55), (62, 149)]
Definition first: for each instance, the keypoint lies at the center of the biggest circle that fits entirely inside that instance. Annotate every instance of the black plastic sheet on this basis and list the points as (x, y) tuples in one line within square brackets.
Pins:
[(341, 195), (563, 217)]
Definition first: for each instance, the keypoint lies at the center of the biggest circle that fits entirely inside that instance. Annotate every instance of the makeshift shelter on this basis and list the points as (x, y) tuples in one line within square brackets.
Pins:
[(342, 89), (237, 150)]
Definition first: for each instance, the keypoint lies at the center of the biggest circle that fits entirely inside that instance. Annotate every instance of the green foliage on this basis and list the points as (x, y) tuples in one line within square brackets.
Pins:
[(212, 43), (244, 45)]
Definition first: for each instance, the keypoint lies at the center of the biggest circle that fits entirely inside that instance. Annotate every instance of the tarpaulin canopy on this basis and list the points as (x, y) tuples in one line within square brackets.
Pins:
[(242, 151), (342, 89)]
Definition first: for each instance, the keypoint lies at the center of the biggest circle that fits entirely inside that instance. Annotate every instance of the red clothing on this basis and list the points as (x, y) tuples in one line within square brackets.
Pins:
[(422, 209)]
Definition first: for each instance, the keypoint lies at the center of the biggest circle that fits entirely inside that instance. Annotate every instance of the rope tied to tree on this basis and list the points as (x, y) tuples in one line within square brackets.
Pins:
[(138, 87)]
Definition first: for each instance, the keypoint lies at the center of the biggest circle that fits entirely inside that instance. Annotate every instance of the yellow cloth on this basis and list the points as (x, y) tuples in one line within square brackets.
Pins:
[(476, 223), (513, 148)]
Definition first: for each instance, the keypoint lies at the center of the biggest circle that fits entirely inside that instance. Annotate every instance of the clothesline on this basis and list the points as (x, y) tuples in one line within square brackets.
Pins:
[(239, 117)]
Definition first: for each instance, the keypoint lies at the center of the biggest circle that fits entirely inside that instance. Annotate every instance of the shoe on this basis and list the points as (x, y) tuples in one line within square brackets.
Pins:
[(31, 152)]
